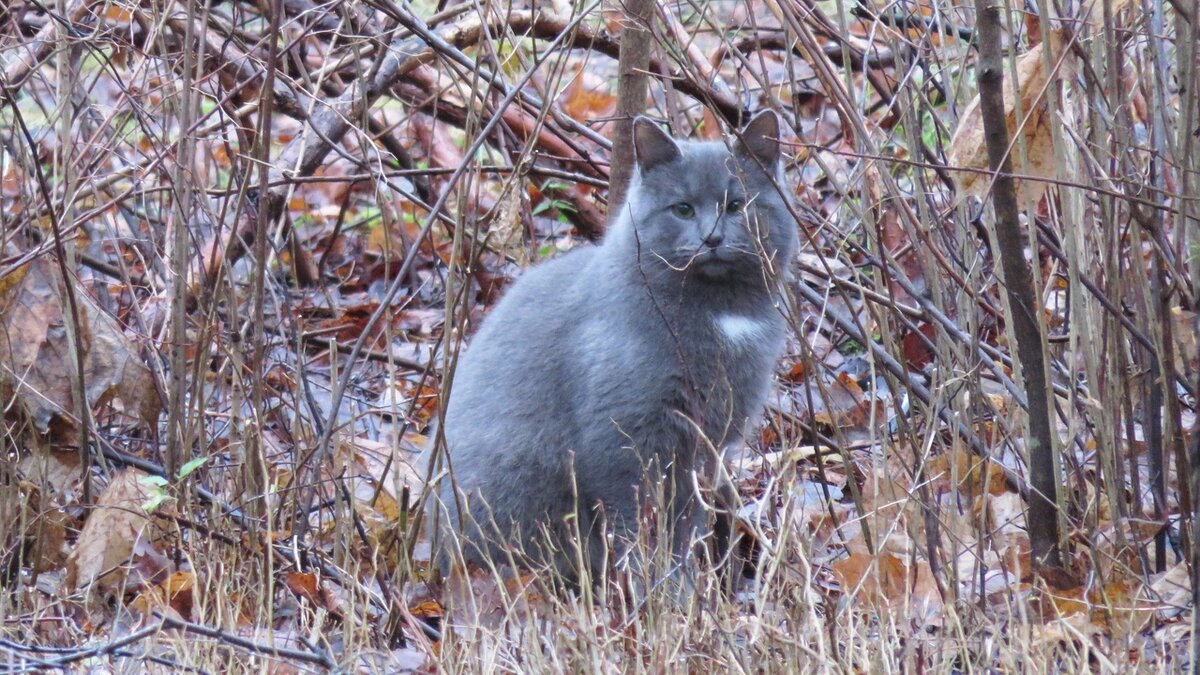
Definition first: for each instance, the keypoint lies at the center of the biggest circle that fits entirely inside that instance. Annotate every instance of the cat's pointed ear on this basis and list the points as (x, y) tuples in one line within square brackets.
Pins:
[(651, 145), (760, 139)]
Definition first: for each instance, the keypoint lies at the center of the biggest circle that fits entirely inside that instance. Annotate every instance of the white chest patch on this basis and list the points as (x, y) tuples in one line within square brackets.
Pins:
[(740, 330)]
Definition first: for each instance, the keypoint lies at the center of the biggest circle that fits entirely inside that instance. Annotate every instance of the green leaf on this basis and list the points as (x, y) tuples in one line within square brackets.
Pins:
[(154, 481), (191, 466), (151, 505)]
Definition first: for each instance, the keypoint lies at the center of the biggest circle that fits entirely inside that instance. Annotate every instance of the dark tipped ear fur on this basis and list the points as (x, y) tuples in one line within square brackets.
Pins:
[(760, 139), (651, 145)]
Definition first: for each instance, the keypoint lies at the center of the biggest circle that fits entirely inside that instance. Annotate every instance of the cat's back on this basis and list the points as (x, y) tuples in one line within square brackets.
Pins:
[(521, 359), (541, 305)]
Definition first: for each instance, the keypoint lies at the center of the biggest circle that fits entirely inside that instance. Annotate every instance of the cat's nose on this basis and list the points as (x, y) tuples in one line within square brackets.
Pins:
[(714, 238)]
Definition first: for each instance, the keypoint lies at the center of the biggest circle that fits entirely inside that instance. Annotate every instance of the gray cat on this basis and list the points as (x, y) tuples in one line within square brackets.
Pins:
[(615, 371)]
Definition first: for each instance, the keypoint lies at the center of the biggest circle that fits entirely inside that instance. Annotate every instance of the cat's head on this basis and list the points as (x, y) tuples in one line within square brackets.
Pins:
[(711, 210)]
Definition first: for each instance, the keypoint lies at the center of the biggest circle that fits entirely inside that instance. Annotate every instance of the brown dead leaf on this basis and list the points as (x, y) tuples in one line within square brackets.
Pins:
[(1121, 608), (401, 223), (840, 403), (588, 97), (37, 354), (12, 280), (304, 585), (32, 318), (150, 601), (117, 15), (968, 149), (796, 374), (1174, 591), (888, 507), (43, 527), (1126, 604), (477, 596), (435, 138), (179, 589), (117, 531), (778, 461), (61, 472), (915, 346), (384, 473), (429, 609), (1016, 557), (886, 582), (1073, 633), (969, 472), (114, 370), (51, 547), (1094, 12), (1007, 512), (173, 596), (380, 478), (1186, 331)]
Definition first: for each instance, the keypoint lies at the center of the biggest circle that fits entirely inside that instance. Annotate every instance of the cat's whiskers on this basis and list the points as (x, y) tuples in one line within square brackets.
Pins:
[(693, 254), (672, 266)]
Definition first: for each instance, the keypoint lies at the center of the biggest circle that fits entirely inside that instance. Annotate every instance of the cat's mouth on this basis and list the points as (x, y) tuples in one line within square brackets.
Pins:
[(716, 263)]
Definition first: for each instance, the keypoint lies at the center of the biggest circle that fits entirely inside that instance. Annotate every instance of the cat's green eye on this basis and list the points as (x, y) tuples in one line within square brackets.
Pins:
[(683, 210), (735, 206)]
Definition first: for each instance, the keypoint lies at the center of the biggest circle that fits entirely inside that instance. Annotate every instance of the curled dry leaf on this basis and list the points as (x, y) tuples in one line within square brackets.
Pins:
[(117, 531), (308, 588), (36, 356), (968, 149)]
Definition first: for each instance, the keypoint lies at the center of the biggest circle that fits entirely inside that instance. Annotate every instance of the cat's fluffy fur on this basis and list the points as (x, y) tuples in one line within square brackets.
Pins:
[(589, 381)]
